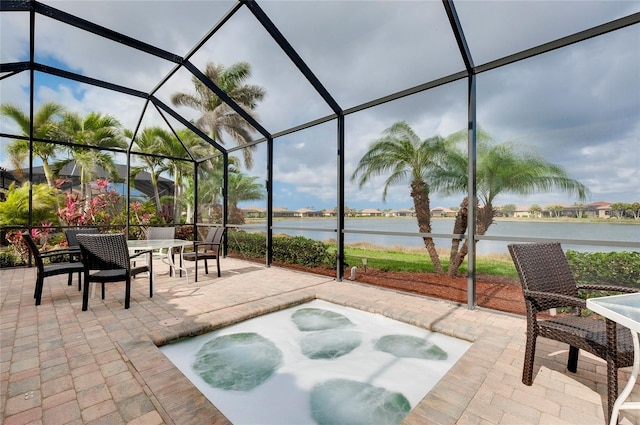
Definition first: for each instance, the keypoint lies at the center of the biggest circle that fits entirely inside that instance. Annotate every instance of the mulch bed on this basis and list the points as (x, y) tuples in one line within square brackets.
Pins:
[(492, 292)]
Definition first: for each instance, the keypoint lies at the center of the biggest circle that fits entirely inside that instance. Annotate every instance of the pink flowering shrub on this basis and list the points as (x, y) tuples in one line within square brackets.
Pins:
[(142, 216), (40, 237), (99, 210)]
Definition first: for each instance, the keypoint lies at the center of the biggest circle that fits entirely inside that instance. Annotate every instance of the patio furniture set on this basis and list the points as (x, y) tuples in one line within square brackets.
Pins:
[(110, 257), (545, 275)]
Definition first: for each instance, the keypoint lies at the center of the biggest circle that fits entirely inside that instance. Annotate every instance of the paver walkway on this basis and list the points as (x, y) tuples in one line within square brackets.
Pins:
[(60, 365)]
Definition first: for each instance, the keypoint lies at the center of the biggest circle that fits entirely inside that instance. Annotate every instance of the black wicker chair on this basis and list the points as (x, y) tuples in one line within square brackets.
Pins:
[(548, 282), (209, 249), (51, 269), (72, 243), (106, 259)]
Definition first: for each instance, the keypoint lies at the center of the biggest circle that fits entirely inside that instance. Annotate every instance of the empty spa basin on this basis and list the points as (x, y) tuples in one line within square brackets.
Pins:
[(316, 363)]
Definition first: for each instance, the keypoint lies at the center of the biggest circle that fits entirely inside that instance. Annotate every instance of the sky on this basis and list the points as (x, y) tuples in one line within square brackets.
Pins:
[(578, 107)]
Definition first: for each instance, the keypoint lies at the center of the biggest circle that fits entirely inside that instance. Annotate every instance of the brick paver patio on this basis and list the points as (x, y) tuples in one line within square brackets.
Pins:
[(60, 365)]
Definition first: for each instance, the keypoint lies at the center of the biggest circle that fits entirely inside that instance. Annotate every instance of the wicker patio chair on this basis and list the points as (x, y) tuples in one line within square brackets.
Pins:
[(548, 282), (72, 243), (51, 269), (209, 249), (106, 259), (160, 233)]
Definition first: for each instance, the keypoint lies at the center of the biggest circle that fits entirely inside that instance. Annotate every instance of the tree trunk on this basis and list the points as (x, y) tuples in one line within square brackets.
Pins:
[(177, 193), (484, 219), (459, 258), (48, 173), (156, 191), (459, 227), (420, 195)]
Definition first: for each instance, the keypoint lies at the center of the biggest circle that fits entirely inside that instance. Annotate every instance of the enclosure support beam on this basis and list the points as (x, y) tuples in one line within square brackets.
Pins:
[(269, 187), (472, 196), (225, 198), (465, 52), (340, 206), (32, 52), (196, 172)]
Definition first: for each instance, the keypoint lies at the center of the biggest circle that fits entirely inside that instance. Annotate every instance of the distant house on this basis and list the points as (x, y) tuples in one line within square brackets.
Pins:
[(548, 210), (282, 212), (6, 178), (369, 212), (329, 213), (253, 212), (523, 211), (442, 212), (70, 174), (307, 212), (405, 212), (598, 209)]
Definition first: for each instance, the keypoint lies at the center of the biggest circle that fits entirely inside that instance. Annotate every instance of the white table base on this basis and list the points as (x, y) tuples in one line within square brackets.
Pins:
[(621, 402)]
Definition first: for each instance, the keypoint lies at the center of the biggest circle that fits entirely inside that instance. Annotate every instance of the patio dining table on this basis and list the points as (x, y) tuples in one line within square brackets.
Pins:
[(135, 245), (625, 310)]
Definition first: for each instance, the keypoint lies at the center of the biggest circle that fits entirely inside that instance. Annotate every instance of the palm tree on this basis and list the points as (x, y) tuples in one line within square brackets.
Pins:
[(14, 211), (211, 175), (153, 140), (500, 168), (401, 153), (96, 132), (242, 188), (45, 122), (217, 117), (535, 210), (181, 171)]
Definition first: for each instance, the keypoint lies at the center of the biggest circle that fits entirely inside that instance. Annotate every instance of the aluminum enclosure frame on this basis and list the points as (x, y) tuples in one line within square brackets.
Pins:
[(339, 113)]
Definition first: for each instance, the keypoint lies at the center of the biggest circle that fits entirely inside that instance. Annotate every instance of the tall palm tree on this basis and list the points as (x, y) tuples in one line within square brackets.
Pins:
[(401, 153), (217, 117), (45, 122), (96, 132), (242, 188), (210, 178), (153, 140), (500, 168), (181, 171)]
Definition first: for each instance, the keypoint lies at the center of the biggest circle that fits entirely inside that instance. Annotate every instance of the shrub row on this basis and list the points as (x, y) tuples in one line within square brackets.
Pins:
[(610, 268), (286, 249)]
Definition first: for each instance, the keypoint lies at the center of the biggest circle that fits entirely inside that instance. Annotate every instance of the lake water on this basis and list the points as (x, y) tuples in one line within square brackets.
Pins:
[(324, 229)]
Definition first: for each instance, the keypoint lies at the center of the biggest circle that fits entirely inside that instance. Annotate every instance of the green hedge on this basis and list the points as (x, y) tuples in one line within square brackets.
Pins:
[(611, 268), (286, 249), (9, 259)]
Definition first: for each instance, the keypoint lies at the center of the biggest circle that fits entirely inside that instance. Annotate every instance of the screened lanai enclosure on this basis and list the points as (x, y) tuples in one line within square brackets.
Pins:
[(392, 122)]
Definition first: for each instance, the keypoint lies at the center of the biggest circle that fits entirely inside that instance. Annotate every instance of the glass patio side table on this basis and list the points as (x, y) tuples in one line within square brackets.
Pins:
[(625, 310)]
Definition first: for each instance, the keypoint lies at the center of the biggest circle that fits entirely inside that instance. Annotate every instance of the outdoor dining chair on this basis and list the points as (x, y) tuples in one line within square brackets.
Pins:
[(209, 249), (106, 259), (548, 283), (53, 268), (72, 243), (162, 233)]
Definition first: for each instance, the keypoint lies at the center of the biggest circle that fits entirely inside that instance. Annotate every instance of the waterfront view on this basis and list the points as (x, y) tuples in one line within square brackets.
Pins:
[(324, 229)]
